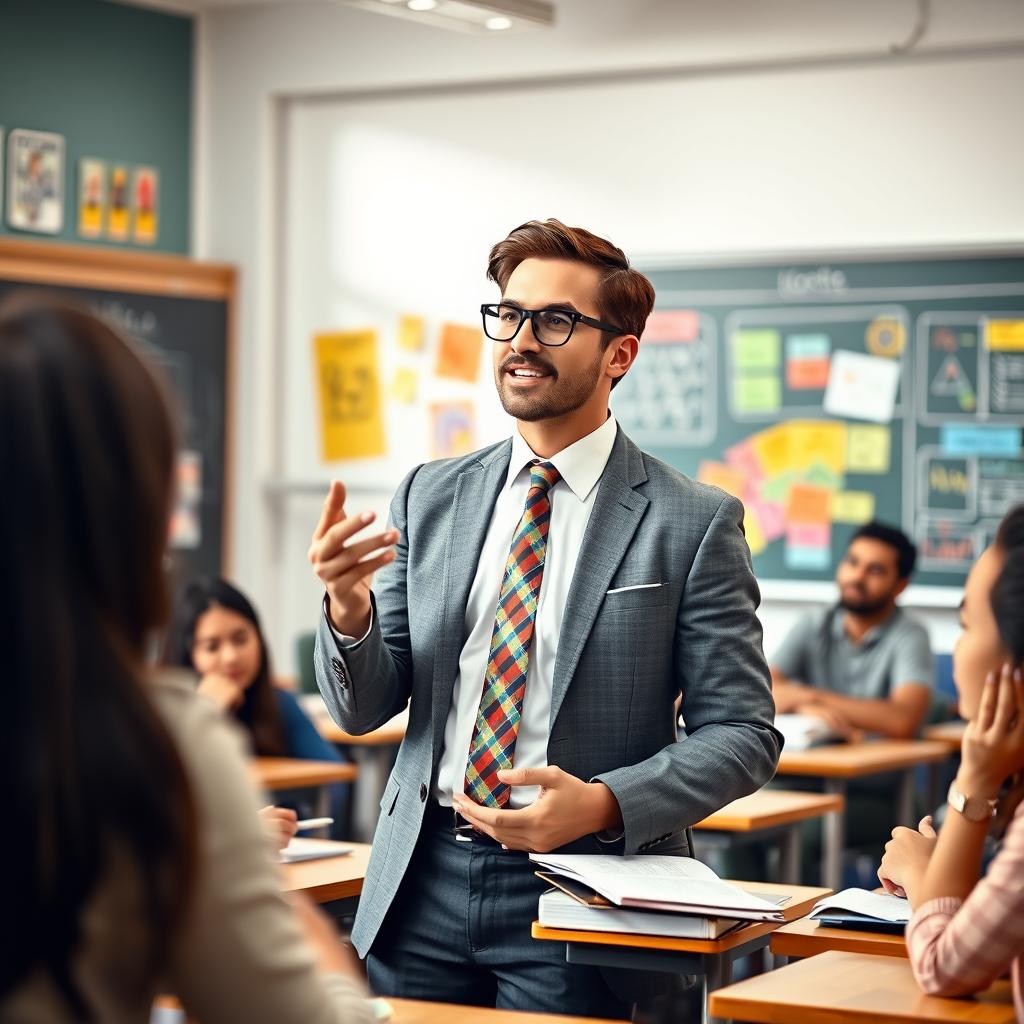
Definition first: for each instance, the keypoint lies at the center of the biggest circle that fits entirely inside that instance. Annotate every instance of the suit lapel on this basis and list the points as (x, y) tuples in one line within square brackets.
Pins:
[(476, 491), (617, 512)]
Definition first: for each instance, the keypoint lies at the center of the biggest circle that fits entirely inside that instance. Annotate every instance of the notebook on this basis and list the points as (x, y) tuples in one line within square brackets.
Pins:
[(301, 848), (860, 909)]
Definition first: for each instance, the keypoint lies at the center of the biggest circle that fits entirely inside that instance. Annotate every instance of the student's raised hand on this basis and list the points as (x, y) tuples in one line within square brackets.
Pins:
[(906, 858), (566, 809), (344, 564), (280, 824), (993, 743), (224, 692)]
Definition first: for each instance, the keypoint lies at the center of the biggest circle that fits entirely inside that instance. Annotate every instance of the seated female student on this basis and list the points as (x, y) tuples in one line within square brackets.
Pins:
[(218, 635), (135, 861), (965, 933)]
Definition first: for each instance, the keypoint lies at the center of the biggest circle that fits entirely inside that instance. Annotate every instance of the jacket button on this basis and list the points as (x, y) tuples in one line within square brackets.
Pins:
[(423, 792)]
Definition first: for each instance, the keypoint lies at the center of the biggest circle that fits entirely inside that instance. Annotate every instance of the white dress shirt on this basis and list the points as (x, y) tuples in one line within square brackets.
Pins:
[(572, 500)]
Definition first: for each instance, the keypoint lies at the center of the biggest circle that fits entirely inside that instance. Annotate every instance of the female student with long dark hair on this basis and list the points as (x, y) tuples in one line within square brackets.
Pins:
[(218, 635), (135, 856), (965, 933)]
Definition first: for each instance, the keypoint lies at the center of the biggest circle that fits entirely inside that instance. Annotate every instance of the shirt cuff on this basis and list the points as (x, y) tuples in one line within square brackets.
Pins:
[(350, 643)]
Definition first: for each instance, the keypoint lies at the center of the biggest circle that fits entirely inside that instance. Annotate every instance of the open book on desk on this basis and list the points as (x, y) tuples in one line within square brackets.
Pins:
[(858, 908), (678, 884), (802, 732)]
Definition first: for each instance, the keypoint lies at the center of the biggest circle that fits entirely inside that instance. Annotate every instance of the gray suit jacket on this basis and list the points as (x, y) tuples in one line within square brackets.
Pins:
[(622, 659)]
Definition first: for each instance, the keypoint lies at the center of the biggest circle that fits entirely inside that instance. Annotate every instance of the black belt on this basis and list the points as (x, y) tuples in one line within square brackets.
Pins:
[(438, 816)]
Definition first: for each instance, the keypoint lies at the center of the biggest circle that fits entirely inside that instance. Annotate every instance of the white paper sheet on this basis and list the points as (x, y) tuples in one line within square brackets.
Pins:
[(862, 387), (871, 904)]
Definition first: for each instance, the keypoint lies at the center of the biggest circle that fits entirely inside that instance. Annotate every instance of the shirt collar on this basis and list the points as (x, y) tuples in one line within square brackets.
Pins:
[(580, 465), (873, 635)]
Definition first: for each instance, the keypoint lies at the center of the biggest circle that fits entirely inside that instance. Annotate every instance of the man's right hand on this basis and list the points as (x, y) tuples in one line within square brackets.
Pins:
[(344, 565)]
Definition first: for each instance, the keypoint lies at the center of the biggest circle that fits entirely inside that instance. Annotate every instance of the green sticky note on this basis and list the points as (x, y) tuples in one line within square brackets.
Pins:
[(757, 394), (757, 349)]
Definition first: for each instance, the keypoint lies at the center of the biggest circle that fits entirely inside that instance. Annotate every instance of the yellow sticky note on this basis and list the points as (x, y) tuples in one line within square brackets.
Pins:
[(817, 442), (718, 474), (348, 383), (403, 386), (772, 449), (867, 448), (853, 507), (411, 333), (754, 532), (1005, 335)]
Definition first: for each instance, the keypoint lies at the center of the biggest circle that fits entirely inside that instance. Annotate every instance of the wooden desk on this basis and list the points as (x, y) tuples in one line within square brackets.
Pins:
[(279, 773), (330, 879), (950, 733), (710, 958), (836, 764), (804, 938), (773, 811), (853, 988), (415, 1011)]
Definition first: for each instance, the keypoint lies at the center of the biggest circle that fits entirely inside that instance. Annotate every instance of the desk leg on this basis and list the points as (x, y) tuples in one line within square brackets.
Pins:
[(834, 840), (790, 847), (717, 975), (905, 808)]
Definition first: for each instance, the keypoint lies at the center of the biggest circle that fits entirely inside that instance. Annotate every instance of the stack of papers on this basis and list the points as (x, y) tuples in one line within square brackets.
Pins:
[(804, 731), (312, 849), (681, 885), (860, 908)]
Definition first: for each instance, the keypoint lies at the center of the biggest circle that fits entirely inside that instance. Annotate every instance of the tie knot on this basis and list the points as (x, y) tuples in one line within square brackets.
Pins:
[(543, 475)]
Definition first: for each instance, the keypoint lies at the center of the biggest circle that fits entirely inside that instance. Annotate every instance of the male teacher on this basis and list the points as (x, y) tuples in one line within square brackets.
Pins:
[(541, 606)]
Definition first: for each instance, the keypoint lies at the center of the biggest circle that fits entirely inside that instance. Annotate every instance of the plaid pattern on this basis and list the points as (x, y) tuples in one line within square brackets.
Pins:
[(497, 722)]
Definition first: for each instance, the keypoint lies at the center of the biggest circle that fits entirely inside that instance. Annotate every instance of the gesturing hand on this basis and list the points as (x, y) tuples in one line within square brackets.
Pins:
[(344, 565), (566, 809), (993, 743), (280, 824), (906, 858)]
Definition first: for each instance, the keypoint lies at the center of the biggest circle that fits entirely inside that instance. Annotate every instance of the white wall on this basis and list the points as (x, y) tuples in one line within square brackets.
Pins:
[(766, 145)]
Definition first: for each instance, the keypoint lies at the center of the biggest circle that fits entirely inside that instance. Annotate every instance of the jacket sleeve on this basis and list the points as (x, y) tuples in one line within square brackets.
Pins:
[(731, 746), (370, 682)]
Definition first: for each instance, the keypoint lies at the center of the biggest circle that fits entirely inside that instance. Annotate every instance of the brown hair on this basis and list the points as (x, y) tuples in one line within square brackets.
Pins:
[(624, 296), (87, 452)]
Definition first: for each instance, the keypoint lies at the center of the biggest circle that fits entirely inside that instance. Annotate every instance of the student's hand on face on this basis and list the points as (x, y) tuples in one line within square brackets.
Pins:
[(566, 809), (280, 824), (224, 692), (344, 565), (993, 743), (906, 858)]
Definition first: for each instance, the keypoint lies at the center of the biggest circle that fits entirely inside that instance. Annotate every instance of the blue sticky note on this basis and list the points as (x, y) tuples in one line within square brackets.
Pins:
[(800, 556), (959, 439), (808, 346)]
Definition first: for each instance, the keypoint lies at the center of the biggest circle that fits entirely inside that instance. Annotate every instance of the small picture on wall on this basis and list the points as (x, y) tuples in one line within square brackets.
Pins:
[(92, 197), (35, 181), (119, 212), (145, 200)]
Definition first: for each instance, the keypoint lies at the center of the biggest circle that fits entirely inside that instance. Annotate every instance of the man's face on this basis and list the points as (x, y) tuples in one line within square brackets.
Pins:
[(868, 576), (561, 380)]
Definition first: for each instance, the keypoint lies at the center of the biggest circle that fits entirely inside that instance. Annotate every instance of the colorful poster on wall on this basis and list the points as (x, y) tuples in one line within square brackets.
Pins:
[(146, 203), (185, 529), (404, 386), (92, 197), (348, 385), (119, 206), (458, 353), (412, 332), (452, 429), (35, 181)]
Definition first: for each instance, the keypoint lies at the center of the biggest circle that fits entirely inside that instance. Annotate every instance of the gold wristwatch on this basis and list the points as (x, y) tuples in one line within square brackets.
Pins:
[(973, 808)]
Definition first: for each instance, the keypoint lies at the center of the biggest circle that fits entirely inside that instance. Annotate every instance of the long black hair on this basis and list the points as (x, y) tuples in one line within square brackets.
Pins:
[(1008, 590), (87, 451), (258, 711)]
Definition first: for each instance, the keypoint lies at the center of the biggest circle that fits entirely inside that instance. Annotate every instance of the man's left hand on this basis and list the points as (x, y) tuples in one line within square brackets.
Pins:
[(566, 809)]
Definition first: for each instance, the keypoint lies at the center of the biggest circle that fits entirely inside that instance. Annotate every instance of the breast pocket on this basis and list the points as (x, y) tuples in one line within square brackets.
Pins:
[(635, 598)]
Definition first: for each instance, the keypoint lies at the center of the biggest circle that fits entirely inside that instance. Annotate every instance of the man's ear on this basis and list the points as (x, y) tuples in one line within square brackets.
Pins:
[(901, 586), (625, 353)]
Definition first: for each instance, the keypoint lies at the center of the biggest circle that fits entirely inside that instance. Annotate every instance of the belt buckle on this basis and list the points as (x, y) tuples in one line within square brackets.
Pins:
[(463, 832)]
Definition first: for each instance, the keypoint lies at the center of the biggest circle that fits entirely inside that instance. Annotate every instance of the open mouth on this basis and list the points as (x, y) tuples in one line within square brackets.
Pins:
[(527, 375)]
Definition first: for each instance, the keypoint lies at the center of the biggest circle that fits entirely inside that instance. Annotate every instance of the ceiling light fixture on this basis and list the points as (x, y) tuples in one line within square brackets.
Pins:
[(421, 5), (477, 16), (498, 23)]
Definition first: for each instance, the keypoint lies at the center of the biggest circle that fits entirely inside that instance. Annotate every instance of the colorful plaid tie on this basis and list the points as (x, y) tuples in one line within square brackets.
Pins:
[(497, 722)]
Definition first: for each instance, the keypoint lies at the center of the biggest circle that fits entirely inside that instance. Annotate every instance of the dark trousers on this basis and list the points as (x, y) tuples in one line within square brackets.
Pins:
[(458, 931)]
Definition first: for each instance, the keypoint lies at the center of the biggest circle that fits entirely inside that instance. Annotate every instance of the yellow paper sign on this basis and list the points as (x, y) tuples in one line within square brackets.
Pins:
[(458, 355), (411, 332), (403, 386), (1005, 335), (348, 383), (867, 448), (817, 442), (853, 507), (752, 529), (772, 450)]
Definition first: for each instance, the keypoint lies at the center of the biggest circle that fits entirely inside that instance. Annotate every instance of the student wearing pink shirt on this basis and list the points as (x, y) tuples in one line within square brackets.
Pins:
[(965, 933)]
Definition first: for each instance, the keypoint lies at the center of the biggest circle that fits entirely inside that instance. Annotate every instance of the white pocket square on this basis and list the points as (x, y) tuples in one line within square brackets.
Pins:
[(638, 586)]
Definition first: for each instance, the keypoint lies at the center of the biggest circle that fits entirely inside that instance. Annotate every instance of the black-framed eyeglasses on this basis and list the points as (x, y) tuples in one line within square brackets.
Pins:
[(551, 326)]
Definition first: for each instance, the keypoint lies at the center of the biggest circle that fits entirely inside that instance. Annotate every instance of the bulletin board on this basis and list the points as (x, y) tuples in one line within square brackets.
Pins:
[(179, 313), (826, 390)]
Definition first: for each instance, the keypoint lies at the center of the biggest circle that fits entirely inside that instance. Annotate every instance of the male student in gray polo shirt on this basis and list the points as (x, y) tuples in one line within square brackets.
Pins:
[(862, 664)]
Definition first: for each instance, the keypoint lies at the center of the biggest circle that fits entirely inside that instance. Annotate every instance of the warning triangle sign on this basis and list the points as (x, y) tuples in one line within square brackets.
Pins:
[(951, 380)]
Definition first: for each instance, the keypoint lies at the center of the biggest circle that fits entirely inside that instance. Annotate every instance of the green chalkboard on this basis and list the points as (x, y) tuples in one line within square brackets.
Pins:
[(824, 389)]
